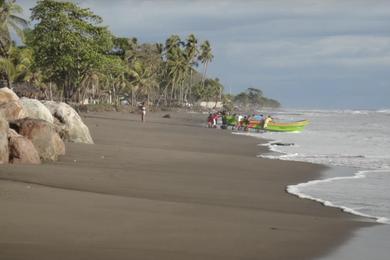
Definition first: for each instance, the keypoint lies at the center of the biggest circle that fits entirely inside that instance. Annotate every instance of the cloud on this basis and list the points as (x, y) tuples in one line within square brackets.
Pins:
[(289, 47), (337, 51)]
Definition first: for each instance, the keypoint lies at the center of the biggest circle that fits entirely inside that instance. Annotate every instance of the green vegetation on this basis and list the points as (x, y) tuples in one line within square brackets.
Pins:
[(9, 21), (69, 45), (68, 55), (253, 97)]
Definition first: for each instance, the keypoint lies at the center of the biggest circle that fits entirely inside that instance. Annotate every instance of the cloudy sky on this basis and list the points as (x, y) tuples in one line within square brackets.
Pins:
[(304, 53)]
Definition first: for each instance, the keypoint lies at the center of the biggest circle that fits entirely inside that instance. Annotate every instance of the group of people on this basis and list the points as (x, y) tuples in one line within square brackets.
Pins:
[(238, 121), (212, 119)]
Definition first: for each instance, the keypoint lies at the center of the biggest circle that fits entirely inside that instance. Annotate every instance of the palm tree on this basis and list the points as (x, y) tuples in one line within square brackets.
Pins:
[(143, 66), (10, 21), (191, 55), (17, 65), (205, 57), (90, 85), (143, 80), (217, 89), (175, 63), (8, 69)]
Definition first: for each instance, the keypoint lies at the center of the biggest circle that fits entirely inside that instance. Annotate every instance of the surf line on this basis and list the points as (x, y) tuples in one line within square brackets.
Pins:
[(295, 190)]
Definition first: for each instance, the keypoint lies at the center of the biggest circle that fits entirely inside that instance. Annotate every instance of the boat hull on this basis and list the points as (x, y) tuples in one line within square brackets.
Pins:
[(286, 127), (273, 126)]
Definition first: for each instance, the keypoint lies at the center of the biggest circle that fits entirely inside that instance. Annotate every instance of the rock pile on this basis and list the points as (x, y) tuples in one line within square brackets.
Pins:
[(32, 131)]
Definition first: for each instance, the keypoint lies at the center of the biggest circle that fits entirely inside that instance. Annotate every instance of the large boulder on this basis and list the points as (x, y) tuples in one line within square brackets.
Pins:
[(33, 108), (4, 152), (21, 149), (7, 95), (43, 135), (70, 121), (12, 110)]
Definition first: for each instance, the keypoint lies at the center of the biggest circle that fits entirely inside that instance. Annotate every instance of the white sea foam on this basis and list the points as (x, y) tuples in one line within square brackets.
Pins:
[(296, 190), (385, 111), (357, 139)]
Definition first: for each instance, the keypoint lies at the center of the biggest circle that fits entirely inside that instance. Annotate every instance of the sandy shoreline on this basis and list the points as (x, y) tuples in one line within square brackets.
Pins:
[(166, 189)]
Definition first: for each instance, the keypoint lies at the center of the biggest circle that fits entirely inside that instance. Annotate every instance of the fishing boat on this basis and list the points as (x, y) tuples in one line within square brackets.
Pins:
[(231, 121), (296, 126), (274, 126)]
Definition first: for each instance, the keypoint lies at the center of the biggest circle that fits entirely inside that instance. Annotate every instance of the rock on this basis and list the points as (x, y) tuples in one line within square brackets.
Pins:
[(43, 136), (33, 108), (167, 116), (61, 129), (77, 131), (13, 110), (4, 152), (21, 149), (7, 95), (282, 144)]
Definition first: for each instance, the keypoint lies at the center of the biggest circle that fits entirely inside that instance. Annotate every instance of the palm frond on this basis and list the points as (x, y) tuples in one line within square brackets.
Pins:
[(7, 67), (18, 20)]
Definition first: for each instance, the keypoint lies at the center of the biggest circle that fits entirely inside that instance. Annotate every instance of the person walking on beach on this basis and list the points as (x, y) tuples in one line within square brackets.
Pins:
[(143, 112)]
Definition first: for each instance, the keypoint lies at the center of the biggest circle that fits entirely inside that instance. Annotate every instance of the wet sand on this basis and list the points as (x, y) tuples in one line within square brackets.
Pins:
[(165, 189)]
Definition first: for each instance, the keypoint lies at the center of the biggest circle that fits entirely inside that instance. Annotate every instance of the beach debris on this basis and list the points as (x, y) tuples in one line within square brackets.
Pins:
[(283, 144), (167, 116), (70, 122), (43, 135)]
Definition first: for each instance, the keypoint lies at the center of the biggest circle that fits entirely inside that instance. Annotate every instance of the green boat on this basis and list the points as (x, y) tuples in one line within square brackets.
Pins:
[(273, 126), (231, 120), (297, 126)]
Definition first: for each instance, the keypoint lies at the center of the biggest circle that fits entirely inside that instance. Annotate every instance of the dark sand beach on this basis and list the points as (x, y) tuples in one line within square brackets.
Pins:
[(165, 189)]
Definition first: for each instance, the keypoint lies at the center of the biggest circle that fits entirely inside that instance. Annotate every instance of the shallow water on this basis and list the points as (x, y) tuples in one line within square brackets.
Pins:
[(367, 243), (356, 139)]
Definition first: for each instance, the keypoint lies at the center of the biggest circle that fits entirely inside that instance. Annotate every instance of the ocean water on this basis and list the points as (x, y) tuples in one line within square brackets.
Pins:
[(350, 138)]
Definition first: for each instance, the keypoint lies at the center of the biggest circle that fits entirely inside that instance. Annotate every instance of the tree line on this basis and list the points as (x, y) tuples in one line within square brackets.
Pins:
[(69, 55)]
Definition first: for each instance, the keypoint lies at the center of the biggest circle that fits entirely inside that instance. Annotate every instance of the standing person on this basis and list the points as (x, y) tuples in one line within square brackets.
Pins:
[(210, 121), (266, 121), (143, 112), (239, 122), (215, 118)]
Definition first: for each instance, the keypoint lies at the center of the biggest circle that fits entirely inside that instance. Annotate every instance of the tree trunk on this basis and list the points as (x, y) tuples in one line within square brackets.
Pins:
[(83, 96), (132, 97), (114, 94), (172, 93), (65, 95), (204, 73), (216, 100), (9, 84), (50, 92), (61, 95), (189, 90)]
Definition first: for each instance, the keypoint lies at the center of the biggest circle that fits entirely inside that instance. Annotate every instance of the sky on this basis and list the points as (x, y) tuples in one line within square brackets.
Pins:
[(304, 53)]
